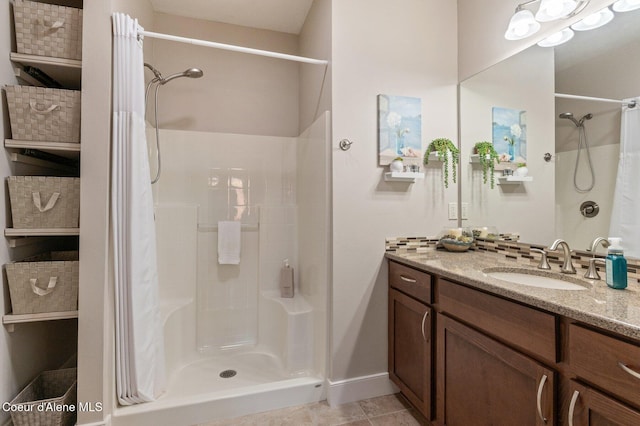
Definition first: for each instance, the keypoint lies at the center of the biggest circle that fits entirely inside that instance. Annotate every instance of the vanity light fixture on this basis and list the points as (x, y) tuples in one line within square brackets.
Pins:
[(626, 5), (558, 38), (595, 20), (550, 10), (524, 24)]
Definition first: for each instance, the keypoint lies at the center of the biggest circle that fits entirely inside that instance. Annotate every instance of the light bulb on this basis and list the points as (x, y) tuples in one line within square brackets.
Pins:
[(557, 38), (551, 10), (595, 20), (521, 25), (626, 5)]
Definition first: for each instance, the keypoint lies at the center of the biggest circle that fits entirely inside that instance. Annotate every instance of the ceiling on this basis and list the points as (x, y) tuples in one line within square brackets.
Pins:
[(286, 16)]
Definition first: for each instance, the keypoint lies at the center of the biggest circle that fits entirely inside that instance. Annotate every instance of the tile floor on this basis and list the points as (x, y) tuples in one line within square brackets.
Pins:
[(389, 410)]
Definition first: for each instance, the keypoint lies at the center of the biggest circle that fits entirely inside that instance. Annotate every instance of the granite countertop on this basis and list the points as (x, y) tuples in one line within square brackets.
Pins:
[(614, 310)]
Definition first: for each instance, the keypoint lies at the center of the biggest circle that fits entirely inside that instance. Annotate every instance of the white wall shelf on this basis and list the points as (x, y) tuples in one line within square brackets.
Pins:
[(43, 164), (63, 149), (475, 159), (67, 72), (52, 232), (11, 320), (409, 177), (514, 180)]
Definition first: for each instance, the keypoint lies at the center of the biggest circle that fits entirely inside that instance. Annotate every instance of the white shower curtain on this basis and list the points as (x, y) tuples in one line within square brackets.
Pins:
[(625, 214), (140, 374)]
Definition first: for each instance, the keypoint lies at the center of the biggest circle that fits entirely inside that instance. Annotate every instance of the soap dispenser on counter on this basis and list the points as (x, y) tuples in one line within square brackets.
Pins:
[(616, 265)]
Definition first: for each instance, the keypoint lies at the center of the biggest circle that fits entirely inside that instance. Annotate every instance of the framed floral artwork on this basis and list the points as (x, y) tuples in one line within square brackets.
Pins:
[(510, 134), (399, 129)]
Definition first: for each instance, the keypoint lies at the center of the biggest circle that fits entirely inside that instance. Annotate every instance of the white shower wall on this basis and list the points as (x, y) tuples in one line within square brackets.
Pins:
[(278, 188), (578, 230)]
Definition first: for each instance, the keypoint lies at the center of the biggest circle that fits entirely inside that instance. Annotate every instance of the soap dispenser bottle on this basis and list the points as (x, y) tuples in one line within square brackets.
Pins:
[(286, 280), (616, 265)]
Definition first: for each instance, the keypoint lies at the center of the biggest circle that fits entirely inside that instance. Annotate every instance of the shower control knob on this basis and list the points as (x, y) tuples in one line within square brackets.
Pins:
[(589, 209), (345, 144), (547, 156)]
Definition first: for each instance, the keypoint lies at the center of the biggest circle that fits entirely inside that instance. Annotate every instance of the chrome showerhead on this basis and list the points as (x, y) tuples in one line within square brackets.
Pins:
[(191, 73), (156, 73), (569, 116), (588, 116)]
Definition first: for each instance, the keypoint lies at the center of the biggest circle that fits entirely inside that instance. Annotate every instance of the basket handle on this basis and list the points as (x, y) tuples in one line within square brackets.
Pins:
[(50, 204), (41, 291), (54, 26), (34, 108)]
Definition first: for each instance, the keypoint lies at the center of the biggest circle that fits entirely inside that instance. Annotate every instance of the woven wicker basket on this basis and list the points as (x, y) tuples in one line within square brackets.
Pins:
[(48, 400), (45, 283), (40, 202), (48, 30), (43, 114)]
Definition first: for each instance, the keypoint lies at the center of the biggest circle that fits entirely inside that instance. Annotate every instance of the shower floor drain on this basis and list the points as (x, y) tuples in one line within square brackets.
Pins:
[(227, 374)]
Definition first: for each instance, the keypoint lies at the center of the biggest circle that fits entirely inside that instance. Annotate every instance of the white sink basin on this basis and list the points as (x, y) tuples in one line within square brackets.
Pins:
[(533, 278)]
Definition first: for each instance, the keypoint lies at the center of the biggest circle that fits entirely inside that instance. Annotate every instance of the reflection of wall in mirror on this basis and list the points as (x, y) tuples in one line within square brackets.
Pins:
[(527, 209)]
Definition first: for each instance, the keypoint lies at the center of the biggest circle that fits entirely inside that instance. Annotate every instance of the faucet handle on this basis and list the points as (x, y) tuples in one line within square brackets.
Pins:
[(592, 272), (544, 263)]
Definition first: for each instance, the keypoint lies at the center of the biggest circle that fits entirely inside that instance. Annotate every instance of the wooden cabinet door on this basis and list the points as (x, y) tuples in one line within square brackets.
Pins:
[(410, 349), (591, 408), (483, 382)]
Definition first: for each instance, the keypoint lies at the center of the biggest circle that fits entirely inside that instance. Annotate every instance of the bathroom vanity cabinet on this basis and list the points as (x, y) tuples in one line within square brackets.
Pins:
[(410, 335), (495, 361)]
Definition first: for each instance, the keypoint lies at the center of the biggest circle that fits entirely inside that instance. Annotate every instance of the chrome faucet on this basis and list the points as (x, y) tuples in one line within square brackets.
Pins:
[(592, 272), (567, 266), (544, 263), (594, 244)]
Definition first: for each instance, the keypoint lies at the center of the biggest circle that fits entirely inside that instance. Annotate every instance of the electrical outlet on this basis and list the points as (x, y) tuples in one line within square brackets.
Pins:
[(453, 211), (464, 210)]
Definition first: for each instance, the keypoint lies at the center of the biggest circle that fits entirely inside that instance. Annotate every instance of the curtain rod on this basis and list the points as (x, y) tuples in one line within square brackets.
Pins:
[(631, 104), (231, 47)]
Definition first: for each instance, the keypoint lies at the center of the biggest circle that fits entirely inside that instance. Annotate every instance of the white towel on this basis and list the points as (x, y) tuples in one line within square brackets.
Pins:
[(229, 242)]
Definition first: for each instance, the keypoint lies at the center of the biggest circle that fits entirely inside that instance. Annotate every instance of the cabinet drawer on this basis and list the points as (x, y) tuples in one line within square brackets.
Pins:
[(410, 281), (523, 327), (611, 364)]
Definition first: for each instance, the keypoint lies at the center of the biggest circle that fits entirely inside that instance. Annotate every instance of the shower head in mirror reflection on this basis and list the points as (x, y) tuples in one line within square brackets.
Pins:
[(578, 123)]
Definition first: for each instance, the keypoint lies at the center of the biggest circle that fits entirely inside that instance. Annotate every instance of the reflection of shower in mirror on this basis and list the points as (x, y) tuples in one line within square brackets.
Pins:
[(582, 144)]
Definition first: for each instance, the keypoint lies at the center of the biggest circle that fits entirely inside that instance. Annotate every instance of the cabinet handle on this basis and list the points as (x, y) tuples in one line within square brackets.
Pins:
[(424, 318), (628, 370), (539, 399), (572, 406), (409, 280)]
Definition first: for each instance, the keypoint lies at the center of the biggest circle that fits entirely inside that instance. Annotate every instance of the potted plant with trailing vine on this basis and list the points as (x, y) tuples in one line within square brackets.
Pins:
[(443, 146), (488, 158)]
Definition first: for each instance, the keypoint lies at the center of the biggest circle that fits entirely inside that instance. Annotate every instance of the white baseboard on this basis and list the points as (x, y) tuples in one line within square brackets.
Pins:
[(356, 389)]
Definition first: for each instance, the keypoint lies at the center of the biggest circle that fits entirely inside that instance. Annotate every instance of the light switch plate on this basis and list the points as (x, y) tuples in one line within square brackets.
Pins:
[(453, 211)]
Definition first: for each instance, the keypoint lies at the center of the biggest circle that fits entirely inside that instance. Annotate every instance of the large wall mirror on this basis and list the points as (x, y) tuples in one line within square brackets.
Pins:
[(600, 63)]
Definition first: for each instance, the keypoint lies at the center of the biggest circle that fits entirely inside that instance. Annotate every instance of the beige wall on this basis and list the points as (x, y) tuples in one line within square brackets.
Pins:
[(315, 80), (396, 48), (509, 207), (238, 93), (35, 347), (482, 25)]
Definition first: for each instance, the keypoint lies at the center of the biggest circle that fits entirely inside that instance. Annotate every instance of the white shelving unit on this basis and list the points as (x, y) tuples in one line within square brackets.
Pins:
[(63, 149), (409, 177), (514, 180), (48, 232), (67, 72), (10, 320)]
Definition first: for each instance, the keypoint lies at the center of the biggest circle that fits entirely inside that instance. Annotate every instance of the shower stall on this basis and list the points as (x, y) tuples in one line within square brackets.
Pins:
[(233, 346)]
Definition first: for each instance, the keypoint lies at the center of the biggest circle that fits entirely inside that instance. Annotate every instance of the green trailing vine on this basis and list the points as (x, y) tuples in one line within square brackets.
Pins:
[(483, 149), (442, 146)]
